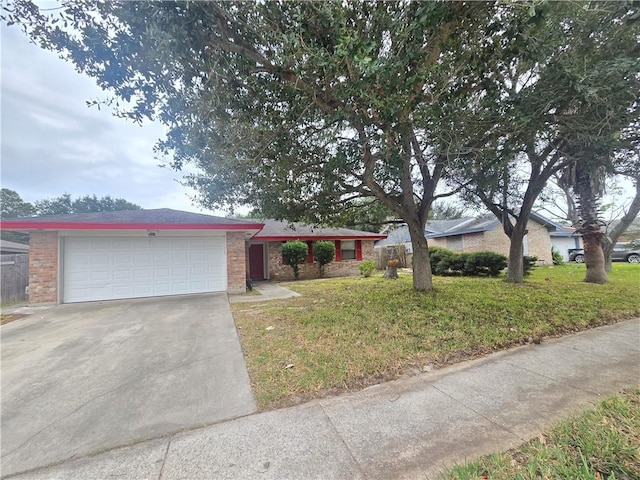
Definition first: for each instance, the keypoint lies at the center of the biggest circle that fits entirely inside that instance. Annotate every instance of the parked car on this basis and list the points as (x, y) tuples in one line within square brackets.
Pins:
[(621, 253)]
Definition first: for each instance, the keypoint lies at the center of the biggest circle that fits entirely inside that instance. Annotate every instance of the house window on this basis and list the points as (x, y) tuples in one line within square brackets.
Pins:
[(455, 243), (348, 249)]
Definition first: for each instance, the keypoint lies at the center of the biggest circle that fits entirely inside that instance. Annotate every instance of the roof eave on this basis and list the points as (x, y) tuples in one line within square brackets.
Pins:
[(34, 226), (279, 238)]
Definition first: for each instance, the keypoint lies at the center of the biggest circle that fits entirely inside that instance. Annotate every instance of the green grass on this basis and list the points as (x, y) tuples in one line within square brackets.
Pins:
[(345, 334), (603, 443)]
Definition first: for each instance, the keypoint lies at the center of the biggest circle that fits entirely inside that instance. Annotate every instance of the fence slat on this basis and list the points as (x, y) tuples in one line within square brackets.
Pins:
[(14, 276)]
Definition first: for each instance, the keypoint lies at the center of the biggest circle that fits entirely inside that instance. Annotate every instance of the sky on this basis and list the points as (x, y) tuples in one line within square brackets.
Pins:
[(52, 143)]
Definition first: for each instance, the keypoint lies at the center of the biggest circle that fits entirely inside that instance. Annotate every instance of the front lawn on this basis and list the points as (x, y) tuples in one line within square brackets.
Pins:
[(345, 334), (599, 444)]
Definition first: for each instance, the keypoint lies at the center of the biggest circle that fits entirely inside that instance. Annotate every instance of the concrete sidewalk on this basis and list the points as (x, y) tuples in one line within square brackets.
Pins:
[(409, 428), (264, 291)]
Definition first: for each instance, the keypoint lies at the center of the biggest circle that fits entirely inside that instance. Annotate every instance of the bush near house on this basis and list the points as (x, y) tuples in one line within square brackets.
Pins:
[(446, 262), (294, 253), (367, 268), (324, 252)]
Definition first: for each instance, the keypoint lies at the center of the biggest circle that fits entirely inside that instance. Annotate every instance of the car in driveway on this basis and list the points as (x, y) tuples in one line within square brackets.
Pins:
[(621, 253)]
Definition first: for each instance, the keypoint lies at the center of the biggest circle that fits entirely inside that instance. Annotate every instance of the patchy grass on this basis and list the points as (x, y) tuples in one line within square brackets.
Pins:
[(600, 444), (345, 334), (10, 317)]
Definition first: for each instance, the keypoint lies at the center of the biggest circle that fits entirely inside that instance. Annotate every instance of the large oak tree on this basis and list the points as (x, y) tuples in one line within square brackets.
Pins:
[(295, 108)]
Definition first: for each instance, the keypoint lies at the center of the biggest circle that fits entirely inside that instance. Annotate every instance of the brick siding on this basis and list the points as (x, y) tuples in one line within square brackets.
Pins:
[(497, 241), (43, 267), (236, 263), (279, 272)]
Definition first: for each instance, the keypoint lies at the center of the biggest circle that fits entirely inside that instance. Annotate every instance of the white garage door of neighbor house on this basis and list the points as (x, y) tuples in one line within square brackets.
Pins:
[(115, 268)]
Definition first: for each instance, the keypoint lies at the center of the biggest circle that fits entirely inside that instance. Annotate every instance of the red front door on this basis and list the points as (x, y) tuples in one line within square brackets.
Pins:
[(256, 261)]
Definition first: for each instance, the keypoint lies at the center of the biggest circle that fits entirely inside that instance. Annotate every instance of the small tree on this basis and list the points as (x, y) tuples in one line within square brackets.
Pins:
[(324, 252), (294, 253)]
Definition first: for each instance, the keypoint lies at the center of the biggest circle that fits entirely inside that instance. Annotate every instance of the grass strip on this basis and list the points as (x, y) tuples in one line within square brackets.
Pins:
[(599, 444)]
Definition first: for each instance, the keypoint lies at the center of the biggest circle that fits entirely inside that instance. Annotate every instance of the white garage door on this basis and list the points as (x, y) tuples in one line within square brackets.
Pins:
[(112, 268)]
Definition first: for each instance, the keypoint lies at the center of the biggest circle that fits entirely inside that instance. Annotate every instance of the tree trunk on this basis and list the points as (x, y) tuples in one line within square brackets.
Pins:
[(515, 270), (587, 191), (422, 280), (594, 256), (607, 250)]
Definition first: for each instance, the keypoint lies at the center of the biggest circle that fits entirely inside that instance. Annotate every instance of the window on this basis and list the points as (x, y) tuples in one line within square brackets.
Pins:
[(348, 249), (455, 243)]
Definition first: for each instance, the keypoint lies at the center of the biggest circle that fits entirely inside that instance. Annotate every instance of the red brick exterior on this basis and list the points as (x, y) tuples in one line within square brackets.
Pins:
[(277, 271), (43, 267), (236, 263)]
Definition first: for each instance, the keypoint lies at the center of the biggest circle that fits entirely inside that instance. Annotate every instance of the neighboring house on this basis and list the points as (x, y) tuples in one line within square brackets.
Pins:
[(483, 233), (13, 247), (145, 253), (264, 250)]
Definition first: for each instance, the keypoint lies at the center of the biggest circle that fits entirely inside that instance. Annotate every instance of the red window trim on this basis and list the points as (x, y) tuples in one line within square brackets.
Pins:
[(338, 251), (359, 250)]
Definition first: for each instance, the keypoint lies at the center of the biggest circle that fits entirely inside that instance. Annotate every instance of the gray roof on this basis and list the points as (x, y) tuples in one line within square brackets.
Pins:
[(464, 226), (276, 229), (153, 216)]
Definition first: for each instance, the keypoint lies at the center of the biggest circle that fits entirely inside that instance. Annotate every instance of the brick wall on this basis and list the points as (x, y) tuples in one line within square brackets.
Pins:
[(497, 241), (280, 272), (236, 263), (43, 267), (539, 242)]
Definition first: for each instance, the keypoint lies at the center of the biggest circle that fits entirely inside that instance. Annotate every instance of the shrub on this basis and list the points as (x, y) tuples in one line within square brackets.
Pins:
[(557, 257), (439, 259), (294, 253), (528, 264), (485, 264), (367, 267), (324, 252), (446, 262)]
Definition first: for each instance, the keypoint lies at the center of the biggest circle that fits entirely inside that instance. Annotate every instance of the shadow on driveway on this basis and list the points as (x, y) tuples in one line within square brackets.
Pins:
[(81, 378)]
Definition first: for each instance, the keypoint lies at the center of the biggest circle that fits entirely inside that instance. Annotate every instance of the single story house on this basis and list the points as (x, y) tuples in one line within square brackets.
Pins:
[(264, 250), (145, 253), (483, 233)]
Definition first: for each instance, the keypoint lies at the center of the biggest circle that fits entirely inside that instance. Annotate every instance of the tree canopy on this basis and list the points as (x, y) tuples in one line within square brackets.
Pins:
[(302, 108), (13, 206)]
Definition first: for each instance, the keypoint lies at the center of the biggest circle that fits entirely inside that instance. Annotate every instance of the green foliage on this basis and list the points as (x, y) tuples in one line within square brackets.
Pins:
[(528, 264), (447, 262), (557, 257), (324, 252), (294, 254), (297, 108), (64, 204), (13, 206), (367, 268)]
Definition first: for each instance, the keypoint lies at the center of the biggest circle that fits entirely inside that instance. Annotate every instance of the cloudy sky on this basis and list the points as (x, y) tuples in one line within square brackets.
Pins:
[(53, 143)]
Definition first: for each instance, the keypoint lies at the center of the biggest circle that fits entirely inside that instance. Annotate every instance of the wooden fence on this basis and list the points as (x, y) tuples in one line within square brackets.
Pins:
[(14, 276), (392, 252)]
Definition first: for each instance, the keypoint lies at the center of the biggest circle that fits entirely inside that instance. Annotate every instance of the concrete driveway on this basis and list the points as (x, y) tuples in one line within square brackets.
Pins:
[(83, 378)]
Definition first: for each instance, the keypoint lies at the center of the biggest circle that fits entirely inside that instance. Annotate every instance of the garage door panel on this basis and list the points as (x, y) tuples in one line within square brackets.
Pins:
[(115, 268)]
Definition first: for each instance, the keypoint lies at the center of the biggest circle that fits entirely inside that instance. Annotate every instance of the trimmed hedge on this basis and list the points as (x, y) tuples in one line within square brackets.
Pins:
[(478, 264), (295, 253), (324, 252)]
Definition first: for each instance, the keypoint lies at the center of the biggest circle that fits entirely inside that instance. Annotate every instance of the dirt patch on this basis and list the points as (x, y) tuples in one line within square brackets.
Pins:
[(10, 317)]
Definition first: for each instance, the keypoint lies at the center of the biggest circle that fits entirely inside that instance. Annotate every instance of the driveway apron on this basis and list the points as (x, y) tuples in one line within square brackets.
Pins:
[(81, 378)]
